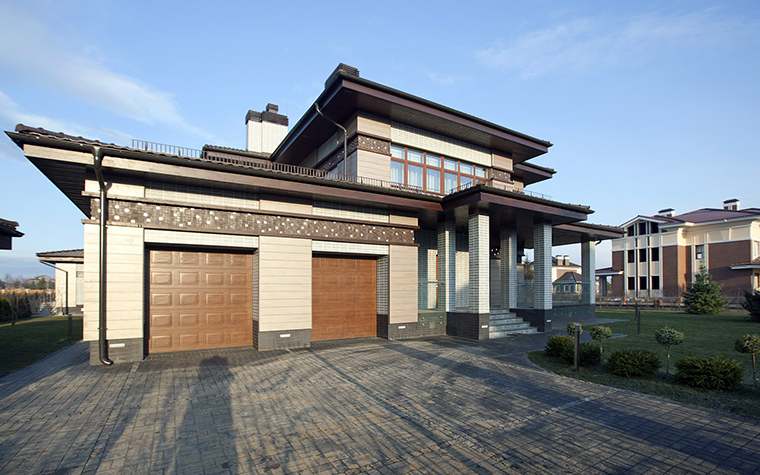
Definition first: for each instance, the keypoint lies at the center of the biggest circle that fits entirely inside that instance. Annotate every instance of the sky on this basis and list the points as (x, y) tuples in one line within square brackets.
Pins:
[(649, 105)]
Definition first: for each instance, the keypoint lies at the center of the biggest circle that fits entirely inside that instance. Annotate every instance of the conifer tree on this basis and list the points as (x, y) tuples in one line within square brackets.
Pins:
[(704, 297)]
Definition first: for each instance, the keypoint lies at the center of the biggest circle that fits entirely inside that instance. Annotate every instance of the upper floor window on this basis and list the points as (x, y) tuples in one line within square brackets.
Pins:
[(631, 230), (431, 172), (654, 228), (699, 252), (642, 228), (655, 253), (631, 256)]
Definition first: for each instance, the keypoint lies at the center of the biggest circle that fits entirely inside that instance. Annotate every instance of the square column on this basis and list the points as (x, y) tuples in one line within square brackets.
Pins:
[(542, 266), (479, 263), (426, 269), (447, 259), (588, 270), (508, 242)]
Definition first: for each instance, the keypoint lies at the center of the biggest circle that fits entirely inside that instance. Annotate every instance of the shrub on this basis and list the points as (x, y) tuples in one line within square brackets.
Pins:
[(600, 333), (749, 344), (752, 304), (588, 354), (668, 337), (633, 363), (557, 344), (571, 328), (718, 373), (704, 296)]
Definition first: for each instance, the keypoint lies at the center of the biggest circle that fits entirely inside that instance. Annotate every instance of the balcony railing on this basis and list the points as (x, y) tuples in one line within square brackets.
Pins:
[(262, 164)]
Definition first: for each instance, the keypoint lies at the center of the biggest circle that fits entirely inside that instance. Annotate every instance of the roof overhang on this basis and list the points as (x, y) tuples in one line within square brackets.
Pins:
[(346, 95)]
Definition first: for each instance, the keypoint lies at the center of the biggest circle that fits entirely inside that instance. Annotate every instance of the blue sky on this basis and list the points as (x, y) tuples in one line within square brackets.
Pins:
[(649, 104)]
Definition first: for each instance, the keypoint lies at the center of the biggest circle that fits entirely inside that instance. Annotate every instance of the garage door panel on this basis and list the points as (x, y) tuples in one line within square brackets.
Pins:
[(185, 315), (344, 298)]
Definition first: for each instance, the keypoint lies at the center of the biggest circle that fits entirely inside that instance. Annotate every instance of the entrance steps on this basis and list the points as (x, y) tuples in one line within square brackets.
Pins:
[(503, 323)]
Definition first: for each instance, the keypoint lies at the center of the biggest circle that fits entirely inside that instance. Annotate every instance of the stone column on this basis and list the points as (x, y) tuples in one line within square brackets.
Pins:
[(508, 243), (447, 259), (425, 268), (588, 270), (479, 263), (542, 266)]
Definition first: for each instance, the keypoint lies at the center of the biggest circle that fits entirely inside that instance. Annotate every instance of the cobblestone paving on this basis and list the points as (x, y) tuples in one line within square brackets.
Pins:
[(370, 406)]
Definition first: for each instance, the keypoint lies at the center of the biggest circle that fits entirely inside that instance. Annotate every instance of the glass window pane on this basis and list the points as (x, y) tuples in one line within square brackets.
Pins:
[(449, 164), (397, 152), (434, 180), (480, 172), (451, 182), (432, 160), (414, 175), (397, 172), (414, 156), (465, 168), (466, 181)]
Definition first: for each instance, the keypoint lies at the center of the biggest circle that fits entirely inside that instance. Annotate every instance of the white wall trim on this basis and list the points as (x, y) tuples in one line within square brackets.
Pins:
[(160, 236)]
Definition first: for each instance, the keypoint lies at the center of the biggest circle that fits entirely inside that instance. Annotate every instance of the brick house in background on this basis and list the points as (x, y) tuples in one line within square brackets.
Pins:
[(661, 254), (375, 215)]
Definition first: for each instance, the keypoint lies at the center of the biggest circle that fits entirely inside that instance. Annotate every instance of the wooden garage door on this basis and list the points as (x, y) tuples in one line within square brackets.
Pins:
[(344, 298), (199, 300)]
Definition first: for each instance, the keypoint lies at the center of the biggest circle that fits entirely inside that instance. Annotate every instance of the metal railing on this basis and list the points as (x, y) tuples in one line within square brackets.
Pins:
[(167, 149), (216, 156)]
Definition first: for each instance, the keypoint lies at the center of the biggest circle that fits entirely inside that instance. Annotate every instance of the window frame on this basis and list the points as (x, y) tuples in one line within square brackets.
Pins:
[(443, 168), (631, 256)]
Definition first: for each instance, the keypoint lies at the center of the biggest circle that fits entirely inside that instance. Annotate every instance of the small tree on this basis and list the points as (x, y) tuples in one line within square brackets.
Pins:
[(752, 304), (528, 267), (600, 333), (571, 328), (704, 297), (749, 344), (668, 337)]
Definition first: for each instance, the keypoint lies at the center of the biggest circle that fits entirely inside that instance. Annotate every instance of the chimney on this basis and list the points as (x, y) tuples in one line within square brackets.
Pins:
[(342, 68), (731, 205), (566, 259), (265, 130), (667, 213)]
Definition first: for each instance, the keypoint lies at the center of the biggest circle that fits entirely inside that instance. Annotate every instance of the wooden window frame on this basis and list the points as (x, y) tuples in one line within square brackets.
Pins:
[(442, 170)]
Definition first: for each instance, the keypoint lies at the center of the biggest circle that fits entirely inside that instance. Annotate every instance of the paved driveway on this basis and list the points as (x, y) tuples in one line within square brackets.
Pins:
[(374, 406)]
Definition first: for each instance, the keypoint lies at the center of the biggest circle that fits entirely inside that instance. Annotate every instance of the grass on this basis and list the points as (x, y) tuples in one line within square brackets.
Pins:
[(706, 335), (32, 339)]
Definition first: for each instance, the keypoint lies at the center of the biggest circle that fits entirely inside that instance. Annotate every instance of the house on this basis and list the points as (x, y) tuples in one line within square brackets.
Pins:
[(69, 278), (8, 231), (374, 215), (661, 254)]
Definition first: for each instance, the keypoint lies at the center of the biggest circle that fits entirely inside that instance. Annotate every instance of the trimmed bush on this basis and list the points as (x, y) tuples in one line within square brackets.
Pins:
[(716, 373), (571, 328), (752, 304), (749, 344), (668, 337), (600, 333), (557, 344), (633, 363), (588, 354)]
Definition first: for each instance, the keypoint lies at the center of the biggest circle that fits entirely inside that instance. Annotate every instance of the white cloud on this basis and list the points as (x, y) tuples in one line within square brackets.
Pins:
[(32, 49), (447, 79), (588, 44), (10, 113)]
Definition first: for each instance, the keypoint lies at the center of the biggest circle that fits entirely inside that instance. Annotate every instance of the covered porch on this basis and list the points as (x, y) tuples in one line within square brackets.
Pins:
[(468, 263)]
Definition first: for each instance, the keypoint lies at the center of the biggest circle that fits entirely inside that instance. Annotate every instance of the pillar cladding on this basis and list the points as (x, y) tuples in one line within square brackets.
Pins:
[(479, 263), (447, 260), (508, 243), (588, 270), (542, 266), (426, 270)]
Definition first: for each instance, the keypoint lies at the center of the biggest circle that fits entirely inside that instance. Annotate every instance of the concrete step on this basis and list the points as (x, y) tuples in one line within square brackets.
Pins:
[(503, 334), (501, 312), (504, 321), (503, 326)]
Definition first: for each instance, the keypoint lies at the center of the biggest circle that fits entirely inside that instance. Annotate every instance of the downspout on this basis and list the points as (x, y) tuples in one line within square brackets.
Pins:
[(345, 137), (97, 154)]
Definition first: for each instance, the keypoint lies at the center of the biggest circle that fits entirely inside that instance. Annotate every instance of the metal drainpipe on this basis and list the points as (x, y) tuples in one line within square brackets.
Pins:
[(97, 154), (345, 137)]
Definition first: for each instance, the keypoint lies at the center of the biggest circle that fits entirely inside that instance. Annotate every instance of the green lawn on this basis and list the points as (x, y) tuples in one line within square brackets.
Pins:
[(33, 339), (706, 335)]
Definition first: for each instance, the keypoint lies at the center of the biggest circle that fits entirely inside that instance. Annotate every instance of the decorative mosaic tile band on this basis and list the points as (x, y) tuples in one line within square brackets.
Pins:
[(360, 142), (151, 215), (501, 175)]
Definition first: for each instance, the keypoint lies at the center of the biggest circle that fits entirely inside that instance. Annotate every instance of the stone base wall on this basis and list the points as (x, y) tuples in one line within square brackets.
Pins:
[(428, 325), (278, 340), (119, 351), (467, 325)]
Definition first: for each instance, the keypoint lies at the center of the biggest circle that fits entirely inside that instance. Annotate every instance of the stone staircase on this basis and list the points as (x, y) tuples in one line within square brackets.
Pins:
[(503, 323)]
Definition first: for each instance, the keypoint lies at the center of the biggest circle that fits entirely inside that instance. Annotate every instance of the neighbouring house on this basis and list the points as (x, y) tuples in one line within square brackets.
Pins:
[(69, 278), (375, 215), (661, 254), (8, 231)]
